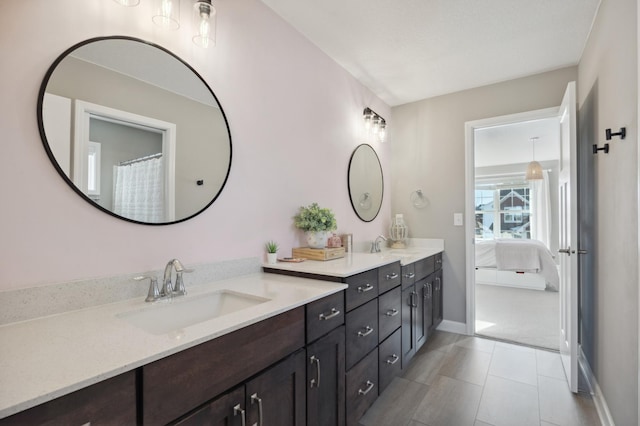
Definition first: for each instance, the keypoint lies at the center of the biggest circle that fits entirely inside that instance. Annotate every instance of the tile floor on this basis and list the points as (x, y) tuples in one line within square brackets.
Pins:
[(457, 380)]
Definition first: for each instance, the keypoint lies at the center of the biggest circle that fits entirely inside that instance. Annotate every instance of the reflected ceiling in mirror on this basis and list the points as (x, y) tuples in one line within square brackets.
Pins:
[(365, 182), (134, 130)]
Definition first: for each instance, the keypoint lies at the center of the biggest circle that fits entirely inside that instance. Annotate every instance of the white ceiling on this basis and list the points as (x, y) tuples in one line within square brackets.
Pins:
[(407, 50), (512, 144)]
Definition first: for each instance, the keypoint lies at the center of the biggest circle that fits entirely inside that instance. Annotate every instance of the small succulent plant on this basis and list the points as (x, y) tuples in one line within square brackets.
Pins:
[(271, 246)]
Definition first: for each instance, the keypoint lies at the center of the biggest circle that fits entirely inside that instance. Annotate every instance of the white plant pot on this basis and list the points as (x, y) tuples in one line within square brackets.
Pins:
[(272, 258), (318, 239)]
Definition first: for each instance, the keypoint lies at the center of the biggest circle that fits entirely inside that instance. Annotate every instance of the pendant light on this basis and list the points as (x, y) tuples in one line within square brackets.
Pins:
[(534, 169), (167, 14), (204, 23)]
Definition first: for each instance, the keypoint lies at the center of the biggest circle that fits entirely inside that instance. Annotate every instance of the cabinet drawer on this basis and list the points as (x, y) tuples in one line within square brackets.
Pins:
[(179, 383), (389, 353), (362, 288), (425, 267), (91, 405), (362, 383), (324, 315), (225, 410), (362, 331), (408, 275), (389, 312), (389, 277), (438, 261)]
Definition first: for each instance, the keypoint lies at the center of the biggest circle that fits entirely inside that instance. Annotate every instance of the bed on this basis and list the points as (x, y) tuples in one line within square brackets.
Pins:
[(516, 263)]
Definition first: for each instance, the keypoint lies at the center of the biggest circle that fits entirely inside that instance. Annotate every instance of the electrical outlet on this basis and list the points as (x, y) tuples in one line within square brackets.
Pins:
[(457, 219)]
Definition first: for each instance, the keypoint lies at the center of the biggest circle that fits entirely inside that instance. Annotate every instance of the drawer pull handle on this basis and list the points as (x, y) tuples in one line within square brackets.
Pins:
[(370, 386), (394, 359), (334, 313), (238, 410), (425, 291), (315, 382), (411, 299), (368, 331), (410, 275), (364, 289), (392, 276), (254, 399), (391, 312)]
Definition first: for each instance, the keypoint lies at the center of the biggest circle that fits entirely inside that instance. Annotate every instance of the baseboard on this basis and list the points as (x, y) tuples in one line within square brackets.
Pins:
[(453, 327), (598, 398)]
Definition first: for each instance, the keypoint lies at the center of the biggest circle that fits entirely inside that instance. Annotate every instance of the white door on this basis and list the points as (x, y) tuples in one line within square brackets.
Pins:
[(568, 237)]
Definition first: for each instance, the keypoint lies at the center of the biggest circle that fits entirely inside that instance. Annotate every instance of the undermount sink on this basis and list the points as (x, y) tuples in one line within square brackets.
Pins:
[(169, 316)]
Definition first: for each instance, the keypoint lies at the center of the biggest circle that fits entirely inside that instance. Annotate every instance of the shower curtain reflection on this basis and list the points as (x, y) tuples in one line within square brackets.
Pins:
[(139, 190)]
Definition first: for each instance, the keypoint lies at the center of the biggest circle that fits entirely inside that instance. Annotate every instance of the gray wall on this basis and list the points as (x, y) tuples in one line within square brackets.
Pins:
[(428, 153), (607, 98)]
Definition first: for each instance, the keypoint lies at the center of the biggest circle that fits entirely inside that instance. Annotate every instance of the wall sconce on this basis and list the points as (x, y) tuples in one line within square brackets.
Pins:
[(204, 23), (374, 125), (167, 14)]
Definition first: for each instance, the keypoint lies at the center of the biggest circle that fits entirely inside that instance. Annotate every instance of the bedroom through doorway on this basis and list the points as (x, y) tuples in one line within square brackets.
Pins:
[(516, 230)]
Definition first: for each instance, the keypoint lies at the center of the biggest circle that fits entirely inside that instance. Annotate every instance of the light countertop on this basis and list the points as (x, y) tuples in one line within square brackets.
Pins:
[(48, 357), (355, 263)]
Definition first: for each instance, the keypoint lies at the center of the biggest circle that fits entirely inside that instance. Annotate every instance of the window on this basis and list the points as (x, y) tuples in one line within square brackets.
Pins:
[(502, 211)]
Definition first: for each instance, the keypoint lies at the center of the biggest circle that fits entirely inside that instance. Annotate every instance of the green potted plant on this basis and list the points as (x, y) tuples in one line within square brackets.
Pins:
[(272, 252), (318, 224)]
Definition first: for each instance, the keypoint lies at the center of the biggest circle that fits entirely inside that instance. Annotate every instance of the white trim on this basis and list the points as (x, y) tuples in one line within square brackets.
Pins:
[(470, 128), (598, 397), (86, 110), (453, 327)]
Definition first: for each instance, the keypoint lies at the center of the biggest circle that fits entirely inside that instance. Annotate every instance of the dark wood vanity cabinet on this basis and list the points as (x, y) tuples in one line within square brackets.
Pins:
[(110, 402), (179, 383), (275, 396), (326, 380), (421, 304), (326, 361)]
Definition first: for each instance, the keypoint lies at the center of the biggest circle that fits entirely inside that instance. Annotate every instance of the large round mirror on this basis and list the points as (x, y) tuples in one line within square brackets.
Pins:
[(365, 182), (134, 130)]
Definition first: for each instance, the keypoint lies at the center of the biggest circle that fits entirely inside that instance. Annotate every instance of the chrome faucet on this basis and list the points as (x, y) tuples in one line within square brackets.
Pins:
[(168, 289), (375, 245)]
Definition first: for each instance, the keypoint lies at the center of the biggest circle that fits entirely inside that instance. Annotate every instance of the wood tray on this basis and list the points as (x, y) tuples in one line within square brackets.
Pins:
[(318, 254)]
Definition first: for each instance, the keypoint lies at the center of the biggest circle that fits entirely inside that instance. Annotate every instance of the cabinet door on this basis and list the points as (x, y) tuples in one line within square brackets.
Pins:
[(326, 380), (423, 311), (437, 298), (362, 387), (227, 410), (277, 396), (409, 303)]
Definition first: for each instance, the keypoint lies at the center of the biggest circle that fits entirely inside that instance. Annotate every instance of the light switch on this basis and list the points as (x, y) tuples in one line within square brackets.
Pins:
[(457, 219)]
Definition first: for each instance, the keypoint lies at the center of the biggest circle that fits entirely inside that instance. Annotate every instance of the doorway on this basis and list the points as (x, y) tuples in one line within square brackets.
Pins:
[(514, 220)]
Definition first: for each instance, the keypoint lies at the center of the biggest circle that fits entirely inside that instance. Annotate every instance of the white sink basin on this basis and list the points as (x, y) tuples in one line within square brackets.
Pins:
[(182, 312)]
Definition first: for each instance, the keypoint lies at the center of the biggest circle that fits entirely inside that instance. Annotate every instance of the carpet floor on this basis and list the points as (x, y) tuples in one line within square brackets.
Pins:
[(530, 317)]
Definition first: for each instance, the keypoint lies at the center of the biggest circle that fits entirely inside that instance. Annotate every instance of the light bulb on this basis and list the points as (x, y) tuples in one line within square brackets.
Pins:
[(204, 20), (167, 14)]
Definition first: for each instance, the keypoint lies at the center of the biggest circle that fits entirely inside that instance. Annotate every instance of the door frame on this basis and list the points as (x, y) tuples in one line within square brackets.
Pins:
[(470, 128), (84, 111)]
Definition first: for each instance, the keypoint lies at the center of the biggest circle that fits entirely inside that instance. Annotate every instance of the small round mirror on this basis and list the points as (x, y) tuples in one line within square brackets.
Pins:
[(134, 130), (365, 182)]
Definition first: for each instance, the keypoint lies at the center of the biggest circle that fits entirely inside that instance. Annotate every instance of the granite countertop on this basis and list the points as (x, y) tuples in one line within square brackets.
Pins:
[(48, 357), (354, 263)]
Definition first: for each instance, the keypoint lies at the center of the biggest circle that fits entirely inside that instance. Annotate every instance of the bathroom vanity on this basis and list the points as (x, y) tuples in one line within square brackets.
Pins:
[(306, 351), (393, 303)]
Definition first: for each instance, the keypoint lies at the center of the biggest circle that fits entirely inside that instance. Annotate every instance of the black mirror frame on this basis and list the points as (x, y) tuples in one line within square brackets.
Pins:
[(381, 183), (61, 172)]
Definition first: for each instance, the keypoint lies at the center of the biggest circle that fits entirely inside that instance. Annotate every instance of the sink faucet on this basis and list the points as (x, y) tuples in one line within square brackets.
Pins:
[(167, 288), (375, 245)]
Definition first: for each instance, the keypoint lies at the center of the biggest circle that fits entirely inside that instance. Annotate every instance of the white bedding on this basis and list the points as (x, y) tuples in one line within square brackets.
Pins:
[(518, 255)]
